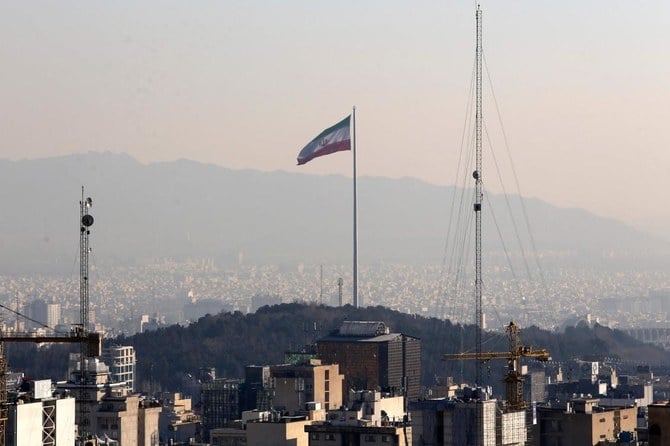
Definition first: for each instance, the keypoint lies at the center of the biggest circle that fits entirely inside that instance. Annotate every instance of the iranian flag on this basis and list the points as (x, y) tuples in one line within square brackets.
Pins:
[(331, 140)]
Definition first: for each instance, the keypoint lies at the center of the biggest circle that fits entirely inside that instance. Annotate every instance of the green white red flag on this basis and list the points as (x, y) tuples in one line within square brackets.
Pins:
[(334, 139)]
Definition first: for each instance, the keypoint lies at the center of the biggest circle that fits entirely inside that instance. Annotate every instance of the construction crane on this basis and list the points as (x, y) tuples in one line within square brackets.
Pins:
[(513, 378), (90, 342)]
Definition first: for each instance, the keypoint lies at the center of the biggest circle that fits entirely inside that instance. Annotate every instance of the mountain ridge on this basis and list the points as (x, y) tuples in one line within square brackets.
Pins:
[(186, 208)]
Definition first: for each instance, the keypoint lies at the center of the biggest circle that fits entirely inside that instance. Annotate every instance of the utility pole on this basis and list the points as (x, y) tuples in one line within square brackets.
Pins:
[(340, 283)]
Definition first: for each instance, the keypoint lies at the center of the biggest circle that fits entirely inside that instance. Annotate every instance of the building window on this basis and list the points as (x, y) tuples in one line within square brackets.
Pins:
[(330, 437), (314, 436), (370, 439), (602, 420), (386, 438), (327, 374)]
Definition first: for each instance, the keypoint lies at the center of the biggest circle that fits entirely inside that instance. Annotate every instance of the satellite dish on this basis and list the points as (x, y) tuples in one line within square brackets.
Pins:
[(87, 220)]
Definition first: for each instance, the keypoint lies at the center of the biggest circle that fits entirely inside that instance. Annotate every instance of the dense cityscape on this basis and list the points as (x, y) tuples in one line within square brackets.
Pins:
[(238, 299), (286, 403), (171, 292)]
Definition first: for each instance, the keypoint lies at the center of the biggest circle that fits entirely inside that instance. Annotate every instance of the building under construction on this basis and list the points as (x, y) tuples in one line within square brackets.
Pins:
[(471, 420)]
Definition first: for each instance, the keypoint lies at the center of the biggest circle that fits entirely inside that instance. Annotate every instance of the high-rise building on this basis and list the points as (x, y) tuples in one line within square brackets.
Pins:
[(47, 313), (220, 404), (122, 364), (256, 390), (371, 357)]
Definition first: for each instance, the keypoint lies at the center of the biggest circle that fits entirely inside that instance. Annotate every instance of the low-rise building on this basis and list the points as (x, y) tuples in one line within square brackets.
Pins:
[(37, 418), (582, 422), (295, 385), (369, 417), (177, 422), (659, 423)]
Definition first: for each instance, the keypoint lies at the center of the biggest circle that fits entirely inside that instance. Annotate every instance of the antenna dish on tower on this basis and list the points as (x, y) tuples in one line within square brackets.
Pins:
[(87, 220)]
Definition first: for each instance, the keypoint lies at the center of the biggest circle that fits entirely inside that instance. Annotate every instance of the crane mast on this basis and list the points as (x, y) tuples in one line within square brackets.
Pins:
[(513, 378)]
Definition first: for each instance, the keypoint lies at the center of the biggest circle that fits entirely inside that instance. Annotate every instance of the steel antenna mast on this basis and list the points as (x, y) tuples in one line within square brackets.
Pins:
[(477, 174), (85, 222)]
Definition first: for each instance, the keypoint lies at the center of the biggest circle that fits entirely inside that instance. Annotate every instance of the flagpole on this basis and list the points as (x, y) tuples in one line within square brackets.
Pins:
[(353, 149)]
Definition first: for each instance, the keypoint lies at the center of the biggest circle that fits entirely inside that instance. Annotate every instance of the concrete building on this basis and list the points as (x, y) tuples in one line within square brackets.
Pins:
[(220, 404), (450, 422), (122, 364), (267, 428), (296, 385), (228, 436), (468, 419), (278, 431), (177, 422), (256, 390), (351, 435), (371, 407), (107, 409), (369, 417), (659, 423), (535, 386), (89, 393), (39, 419), (582, 422), (370, 357), (129, 419), (48, 313)]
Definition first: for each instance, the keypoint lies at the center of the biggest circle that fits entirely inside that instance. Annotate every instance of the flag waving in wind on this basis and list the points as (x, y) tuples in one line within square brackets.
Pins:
[(331, 140)]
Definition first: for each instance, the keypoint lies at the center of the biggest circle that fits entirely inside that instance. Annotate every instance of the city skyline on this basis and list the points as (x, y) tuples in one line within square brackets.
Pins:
[(580, 86)]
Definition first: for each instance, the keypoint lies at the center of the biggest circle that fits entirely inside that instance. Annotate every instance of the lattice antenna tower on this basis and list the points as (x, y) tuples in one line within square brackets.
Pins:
[(85, 223), (477, 174)]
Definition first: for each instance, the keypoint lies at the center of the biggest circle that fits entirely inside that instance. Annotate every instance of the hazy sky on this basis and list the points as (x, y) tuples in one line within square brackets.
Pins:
[(583, 87)]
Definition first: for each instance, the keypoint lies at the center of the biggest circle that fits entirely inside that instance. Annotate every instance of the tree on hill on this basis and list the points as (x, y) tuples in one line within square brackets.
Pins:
[(230, 341)]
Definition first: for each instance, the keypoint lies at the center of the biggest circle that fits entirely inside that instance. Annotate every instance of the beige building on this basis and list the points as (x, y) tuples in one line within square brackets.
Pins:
[(296, 385), (177, 422), (582, 422), (328, 435), (127, 418), (370, 417), (228, 436), (285, 431), (108, 409)]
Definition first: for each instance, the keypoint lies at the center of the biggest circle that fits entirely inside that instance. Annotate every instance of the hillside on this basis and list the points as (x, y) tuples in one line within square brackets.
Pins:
[(229, 341)]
